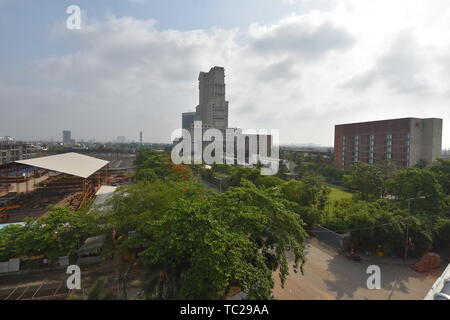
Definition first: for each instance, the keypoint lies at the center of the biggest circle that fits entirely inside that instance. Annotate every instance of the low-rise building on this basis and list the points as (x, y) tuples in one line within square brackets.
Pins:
[(11, 151)]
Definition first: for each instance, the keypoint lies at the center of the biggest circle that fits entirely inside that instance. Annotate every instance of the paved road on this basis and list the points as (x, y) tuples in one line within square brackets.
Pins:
[(46, 290), (330, 276)]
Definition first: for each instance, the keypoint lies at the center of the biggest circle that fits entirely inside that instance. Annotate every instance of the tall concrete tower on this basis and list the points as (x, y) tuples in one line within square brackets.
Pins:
[(67, 136), (140, 137), (213, 108)]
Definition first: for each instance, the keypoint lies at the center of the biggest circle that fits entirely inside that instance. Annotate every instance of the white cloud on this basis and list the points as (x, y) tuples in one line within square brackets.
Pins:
[(309, 36), (402, 68)]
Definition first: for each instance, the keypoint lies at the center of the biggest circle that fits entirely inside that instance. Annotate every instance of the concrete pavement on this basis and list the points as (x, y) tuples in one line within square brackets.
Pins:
[(330, 276)]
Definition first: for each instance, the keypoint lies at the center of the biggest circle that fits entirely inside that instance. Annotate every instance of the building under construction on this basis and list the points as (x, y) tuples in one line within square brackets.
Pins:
[(28, 187)]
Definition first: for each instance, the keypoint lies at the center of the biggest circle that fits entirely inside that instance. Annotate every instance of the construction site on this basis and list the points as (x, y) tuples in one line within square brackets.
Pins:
[(29, 187)]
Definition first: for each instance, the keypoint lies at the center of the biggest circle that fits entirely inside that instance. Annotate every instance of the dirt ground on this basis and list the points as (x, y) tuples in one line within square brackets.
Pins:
[(330, 276)]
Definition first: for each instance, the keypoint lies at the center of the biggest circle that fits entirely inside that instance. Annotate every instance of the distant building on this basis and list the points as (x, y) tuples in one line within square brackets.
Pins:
[(121, 139), (7, 138), (11, 151), (67, 136), (404, 142), (445, 154), (212, 112), (188, 119)]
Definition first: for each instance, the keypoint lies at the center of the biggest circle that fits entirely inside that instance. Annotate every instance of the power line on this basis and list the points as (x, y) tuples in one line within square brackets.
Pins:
[(358, 229)]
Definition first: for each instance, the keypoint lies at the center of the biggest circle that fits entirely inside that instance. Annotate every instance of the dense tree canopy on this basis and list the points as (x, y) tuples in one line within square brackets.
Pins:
[(309, 192), (199, 247), (371, 224), (441, 168), (59, 234), (413, 183), (198, 244), (366, 179)]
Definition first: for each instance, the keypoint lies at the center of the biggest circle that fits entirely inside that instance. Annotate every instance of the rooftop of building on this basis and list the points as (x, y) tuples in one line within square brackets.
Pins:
[(69, 163), (387, 120), (211, 70)]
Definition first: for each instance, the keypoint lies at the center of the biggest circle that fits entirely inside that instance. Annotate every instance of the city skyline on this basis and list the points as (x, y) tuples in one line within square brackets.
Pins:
[(298, 67)]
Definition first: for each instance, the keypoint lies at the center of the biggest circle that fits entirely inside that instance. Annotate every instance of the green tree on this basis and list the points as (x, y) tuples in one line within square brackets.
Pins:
[(442, 233), (282, 169), (148, 175), (441, 168), (200, 249), (268, 181), (370, 224), (413, 183), (421, 164), (62, 232), (241, 173), (311, 191), (130, 206), (366, 179)]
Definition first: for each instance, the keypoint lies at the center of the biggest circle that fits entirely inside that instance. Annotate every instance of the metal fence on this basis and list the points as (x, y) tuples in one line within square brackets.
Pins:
[(329, 237), (13, 265)]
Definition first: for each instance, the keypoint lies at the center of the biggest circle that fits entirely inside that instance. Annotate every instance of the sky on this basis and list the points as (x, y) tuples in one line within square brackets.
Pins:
[(299, 66)]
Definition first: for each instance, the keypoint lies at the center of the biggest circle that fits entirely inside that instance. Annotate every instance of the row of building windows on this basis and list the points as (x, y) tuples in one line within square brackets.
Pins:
[(389, 136), (371, 138), (371, 148), (371, 160)]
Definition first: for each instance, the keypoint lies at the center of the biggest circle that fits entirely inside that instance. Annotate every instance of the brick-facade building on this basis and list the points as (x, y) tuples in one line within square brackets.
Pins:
[(402, 141)]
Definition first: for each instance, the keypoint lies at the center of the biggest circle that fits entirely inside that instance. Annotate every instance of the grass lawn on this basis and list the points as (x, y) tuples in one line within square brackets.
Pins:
[(338, 193)]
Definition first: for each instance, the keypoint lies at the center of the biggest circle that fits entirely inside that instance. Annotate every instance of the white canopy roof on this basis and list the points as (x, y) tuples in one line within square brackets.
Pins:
[(70, 163), (105, 190)]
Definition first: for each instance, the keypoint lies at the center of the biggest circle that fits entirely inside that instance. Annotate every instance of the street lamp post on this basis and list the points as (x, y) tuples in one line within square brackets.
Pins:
[(407, 225)]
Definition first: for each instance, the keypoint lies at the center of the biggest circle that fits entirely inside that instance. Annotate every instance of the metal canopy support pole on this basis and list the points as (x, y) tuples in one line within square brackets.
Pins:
[(26, 182)]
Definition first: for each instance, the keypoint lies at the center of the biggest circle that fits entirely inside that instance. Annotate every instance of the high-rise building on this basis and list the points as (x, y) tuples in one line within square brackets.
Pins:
[(404, 142), (188, 119), (212, 112), (67, 136), (213, 108)]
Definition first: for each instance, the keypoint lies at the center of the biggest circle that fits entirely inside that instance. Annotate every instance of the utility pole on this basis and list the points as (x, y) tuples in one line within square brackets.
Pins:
[(407, 230), (407, 225)]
